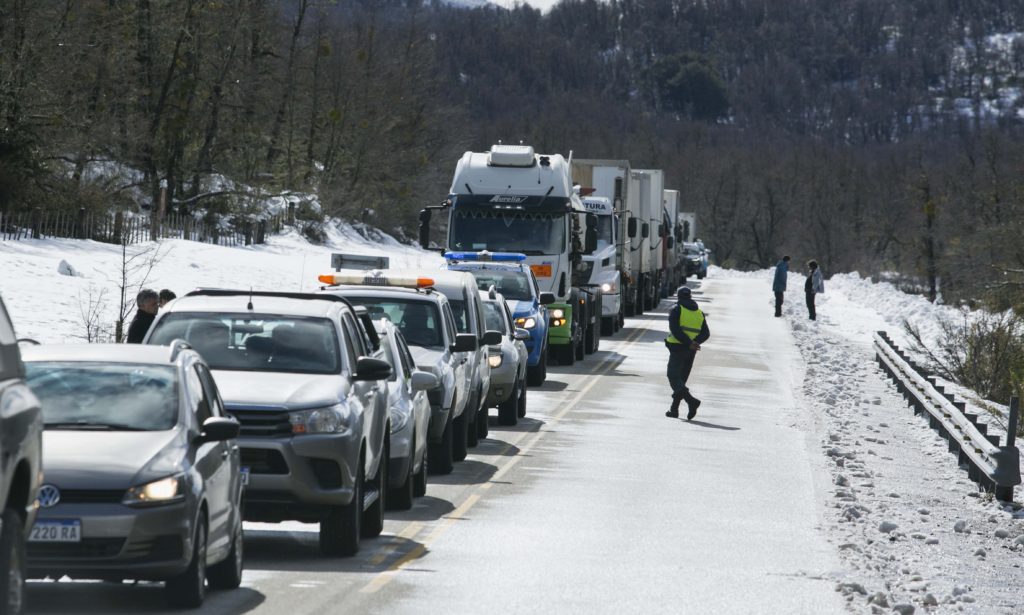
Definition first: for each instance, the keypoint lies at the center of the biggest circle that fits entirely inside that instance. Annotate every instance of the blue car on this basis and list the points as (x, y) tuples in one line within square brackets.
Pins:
[(512, 277)]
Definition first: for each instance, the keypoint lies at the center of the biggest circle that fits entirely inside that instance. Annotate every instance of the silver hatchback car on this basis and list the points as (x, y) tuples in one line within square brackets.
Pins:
[(142, 469), (508, 360)]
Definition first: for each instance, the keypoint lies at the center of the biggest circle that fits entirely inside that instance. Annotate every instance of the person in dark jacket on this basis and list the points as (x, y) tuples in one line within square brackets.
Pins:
[(814, 285), (689, 330), (148, 302), (779, 284)]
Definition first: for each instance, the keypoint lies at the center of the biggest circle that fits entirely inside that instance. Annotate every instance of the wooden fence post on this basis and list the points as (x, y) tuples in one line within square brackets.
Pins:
[(37, 220)]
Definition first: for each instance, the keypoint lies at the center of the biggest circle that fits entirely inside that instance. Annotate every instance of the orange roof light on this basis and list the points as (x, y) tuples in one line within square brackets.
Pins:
[(327, 278), (424, 282)]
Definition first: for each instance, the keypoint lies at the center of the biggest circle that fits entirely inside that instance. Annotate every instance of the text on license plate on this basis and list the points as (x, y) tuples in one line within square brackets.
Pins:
[(63, 530), (244, 475), (541, 271)]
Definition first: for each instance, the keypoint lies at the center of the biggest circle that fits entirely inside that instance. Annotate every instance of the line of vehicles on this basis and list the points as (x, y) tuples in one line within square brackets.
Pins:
[(325, 407)]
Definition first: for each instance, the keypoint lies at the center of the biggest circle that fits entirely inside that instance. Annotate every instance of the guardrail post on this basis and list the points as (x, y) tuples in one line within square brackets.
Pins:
[(1007, 472)]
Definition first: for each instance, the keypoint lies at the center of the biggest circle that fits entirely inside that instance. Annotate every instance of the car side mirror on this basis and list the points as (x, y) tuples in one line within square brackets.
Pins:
[(368, 368), (670, 242), (219, 429), (424, 381), (547, 298), (645, 230), (491, 338), (631, 228), (424, 229), (521, 334), (465, 342)]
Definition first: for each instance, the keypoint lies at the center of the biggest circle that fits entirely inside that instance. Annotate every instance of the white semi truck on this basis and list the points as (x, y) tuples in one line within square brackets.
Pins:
[(511, 199)]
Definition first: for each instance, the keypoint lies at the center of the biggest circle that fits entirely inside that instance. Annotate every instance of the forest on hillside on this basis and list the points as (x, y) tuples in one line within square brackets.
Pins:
[(873, 135)]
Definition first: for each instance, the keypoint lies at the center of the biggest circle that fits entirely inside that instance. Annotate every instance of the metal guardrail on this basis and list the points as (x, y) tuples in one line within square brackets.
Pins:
[(995, 468)]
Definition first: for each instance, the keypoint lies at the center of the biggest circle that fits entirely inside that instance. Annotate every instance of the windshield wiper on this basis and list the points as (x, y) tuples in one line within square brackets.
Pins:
[(92, 426)]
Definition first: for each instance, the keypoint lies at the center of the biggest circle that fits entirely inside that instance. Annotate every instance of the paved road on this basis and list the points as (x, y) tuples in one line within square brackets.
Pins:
[(595, 503)]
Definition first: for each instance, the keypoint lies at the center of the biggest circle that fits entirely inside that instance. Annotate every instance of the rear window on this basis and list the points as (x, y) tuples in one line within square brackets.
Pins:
[(105, 396), (255, 342), (494, 316), (511, 284)]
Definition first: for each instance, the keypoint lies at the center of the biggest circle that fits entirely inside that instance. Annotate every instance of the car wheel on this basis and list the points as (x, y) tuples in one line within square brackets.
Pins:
[(441, 454), (472, 414), (12, 566), (521, 410), (459, 435), (373, 517), (508, 410), (341, 528), (483, 427), (537, 374), (188, 589), (419, 485), (608, 325), (228, 573), (401, 497)]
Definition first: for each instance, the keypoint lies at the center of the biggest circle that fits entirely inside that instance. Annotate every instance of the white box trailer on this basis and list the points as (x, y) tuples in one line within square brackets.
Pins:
[(650, 219)]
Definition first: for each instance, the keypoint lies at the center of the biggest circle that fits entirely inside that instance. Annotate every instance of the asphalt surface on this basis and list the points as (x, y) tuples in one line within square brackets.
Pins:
[(595, 503)]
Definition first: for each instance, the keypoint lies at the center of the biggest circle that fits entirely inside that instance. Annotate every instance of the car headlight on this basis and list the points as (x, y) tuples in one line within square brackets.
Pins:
[(527, 322), (399, 419), (557, 313), (164, 491), (495, 359), (333, 419)]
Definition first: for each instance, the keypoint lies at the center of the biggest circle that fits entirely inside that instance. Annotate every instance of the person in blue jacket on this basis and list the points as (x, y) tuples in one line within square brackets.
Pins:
[(779, 285), (689, 330)]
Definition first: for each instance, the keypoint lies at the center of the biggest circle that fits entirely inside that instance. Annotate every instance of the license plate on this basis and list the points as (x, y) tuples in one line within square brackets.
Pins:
[(244, 474), (56, 530), (541, 271)]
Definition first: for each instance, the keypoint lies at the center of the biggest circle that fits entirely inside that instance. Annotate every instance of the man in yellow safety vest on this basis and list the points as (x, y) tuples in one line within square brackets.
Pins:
[(689, 330)]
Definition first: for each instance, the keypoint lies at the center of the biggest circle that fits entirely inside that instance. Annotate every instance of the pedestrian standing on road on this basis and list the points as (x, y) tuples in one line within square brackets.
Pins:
[(689, 329), (814, 285), (166, 296), (779, 285), (148, 302)]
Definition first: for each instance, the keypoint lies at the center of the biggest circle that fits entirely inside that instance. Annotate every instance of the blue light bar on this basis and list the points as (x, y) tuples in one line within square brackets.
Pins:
[(485, 256)]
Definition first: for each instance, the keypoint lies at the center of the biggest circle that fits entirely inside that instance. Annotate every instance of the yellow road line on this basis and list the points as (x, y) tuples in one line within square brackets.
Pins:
[(385, 577)]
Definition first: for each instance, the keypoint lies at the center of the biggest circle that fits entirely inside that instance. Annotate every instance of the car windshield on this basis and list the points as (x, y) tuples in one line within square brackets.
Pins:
[(508, 232), (495, 320), (419, 321), (512, 284), (459, 313), (255, 342), (105, 396)]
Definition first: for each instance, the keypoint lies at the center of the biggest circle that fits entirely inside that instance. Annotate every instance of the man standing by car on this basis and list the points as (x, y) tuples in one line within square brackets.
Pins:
[(814, 285), (779, 285), (148, 302), (689, 330)]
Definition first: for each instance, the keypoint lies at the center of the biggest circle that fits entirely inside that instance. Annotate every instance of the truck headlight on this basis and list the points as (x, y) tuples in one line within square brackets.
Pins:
[(495, 360), (333, 419), (527, 322), (557, 313), (164, 491)]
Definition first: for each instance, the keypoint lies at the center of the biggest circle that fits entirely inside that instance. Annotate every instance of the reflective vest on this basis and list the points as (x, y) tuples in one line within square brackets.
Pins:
[(691, 322)]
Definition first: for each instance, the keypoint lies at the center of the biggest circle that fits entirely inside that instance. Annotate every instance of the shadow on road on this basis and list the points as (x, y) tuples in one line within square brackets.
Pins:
[(113, 598), (468, 472), (551, 385), (300, 552), (426, 508), (488, 446), (711, 425)]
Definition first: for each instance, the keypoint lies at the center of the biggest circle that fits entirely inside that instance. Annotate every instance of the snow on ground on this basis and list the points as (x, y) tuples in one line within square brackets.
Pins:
[(910, 526), (48, 306)]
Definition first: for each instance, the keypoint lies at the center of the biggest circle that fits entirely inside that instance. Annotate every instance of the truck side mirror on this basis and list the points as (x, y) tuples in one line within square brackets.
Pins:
[(631, 228), (547, 298), (670, 242), (645, 230), (425, 229), (590, 240)]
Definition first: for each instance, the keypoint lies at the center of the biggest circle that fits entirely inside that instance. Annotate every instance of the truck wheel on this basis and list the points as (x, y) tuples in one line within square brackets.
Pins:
[(537, 374), (228, 573), (460, 435), (608, 325), (373, 517), (188, 589), (419, 484), (521, 410), (508, 410), (341, 528), (401, 497), (440, 454), (581, 345), (566, 354), (12, 563)]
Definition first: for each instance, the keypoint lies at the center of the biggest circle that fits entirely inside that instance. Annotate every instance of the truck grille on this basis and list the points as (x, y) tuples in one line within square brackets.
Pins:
[(259, 422)]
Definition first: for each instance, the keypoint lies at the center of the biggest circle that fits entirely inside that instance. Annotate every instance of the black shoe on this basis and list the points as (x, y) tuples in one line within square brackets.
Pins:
[(672, 414), (693, 404)]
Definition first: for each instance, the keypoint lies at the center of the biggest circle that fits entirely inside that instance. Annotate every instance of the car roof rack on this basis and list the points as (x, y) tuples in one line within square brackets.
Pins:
[(226, 292), (177, 345)]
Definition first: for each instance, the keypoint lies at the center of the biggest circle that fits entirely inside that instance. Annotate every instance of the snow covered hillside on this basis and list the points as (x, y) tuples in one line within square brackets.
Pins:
[(48, 301)]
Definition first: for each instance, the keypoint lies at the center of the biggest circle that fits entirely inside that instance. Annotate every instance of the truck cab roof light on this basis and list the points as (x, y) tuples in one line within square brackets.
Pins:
[(495, 257), (374, 278)]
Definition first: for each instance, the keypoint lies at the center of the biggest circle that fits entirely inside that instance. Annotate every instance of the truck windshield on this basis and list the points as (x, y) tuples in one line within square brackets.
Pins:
[(255, 342), (604, 231), (507, 232), (512, 284), (105, 396), (419, 321)]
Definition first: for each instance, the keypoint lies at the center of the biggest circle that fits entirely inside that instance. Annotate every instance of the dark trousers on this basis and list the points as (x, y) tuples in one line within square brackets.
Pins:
[(680, 362), (810, 306), (778, 304)]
